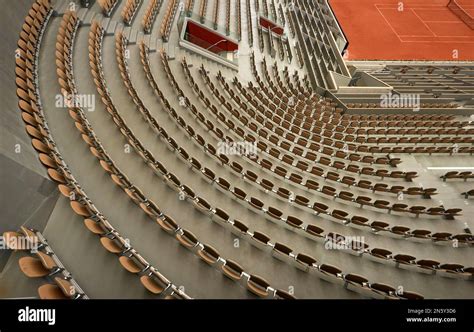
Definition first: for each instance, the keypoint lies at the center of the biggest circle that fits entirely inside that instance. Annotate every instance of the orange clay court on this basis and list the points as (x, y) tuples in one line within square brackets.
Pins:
[(423, 30)]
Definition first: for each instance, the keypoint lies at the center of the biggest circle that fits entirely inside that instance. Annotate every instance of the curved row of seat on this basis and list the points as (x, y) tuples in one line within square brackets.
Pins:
[(95, 222), (189, 6), (218, 215), (326, 189), (41, 261), (129, 10), (202, 10), (438, 120), (249, 23), (264, 8), (276, 125), (215, 14), (150, 15), (239, 20), (295, 86), (227, 17), (282, 15), (302, 125), (304, 166), (365, 136), (422, 105), (331, 144), (261, 43)]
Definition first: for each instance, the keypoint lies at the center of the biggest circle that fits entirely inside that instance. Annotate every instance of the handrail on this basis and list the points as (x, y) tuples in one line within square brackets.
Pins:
[(215, 44)]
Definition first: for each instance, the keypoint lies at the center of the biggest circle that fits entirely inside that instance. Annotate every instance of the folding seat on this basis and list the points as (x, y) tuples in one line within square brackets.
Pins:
[(239, 228), (202, 205), (302, 165), (380, 255), (41, 266), (232, 270), (417, 210), (320, 208), (345, 195), (150, 208), (267, 185), (383, 291), (188, 193), (315, 232), (134, 263), (428, 266), (209, 175), (340, 215), (173, 182), (296, 178), (304, 262), (420, 235), (208, 254), (251, 176), (239, 193), (356, 283), (275, 214), (348, 180), (451, 213), (363, 200), (258, 286), (221, 216), (381, 204), (356, 248), (115, 244), (464, 239), (325, 161), (329, 191), (330, 273), (223, 185), (441, 236), (280, 171), (282, 295), (261, 240), (51, 292), (302, 200), (467, 194), (466, 175), (399, 231), (410, 295), (155, 282), (409, 176), (187, 239), (283, 252), (378, 226), (294, 223)]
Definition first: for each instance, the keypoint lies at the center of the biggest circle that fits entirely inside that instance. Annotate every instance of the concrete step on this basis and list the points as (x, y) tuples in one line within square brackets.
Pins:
[(132, 37), (89, 18), (111, 28), (81, 13)]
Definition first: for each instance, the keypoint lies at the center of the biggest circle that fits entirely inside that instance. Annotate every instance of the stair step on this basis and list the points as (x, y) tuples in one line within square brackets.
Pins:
[(132, 37), (111, 28), (89, 17), (81, 13)]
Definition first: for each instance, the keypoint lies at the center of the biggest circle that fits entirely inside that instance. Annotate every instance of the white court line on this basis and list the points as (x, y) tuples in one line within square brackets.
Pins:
[(450, 168), (426, 25), (444, 22), (388, 23)]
